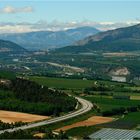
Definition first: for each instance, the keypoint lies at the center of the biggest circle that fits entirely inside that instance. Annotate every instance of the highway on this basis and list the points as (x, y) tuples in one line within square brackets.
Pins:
[(86, 106)]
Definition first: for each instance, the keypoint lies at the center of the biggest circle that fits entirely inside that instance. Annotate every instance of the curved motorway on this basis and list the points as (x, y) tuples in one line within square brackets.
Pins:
[(86, 106)]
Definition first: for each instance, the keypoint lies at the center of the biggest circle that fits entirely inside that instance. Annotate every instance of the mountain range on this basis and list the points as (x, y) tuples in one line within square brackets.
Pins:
[(118, 40), (42, 40), (10, 47)]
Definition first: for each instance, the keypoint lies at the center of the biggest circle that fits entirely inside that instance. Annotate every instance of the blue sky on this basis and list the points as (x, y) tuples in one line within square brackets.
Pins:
[(51, 12), (73, 10)]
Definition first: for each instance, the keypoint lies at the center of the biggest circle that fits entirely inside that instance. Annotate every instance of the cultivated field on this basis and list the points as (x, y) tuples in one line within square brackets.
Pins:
[(10, 116), (89, 122), (68, 83), (108, 103), (62, 82), (121, 54)]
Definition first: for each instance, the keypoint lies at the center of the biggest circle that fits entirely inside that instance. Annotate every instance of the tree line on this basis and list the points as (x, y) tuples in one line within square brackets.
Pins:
[(4, 125), (121, 111)]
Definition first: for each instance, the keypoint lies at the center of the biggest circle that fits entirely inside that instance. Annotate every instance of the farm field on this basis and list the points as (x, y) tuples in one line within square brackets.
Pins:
[(62, 82), (10, 117), (120, 54), (135, 97), (69, 83), (132, 96), (108, 103), (82, 131), (89, 122), (132, 117)]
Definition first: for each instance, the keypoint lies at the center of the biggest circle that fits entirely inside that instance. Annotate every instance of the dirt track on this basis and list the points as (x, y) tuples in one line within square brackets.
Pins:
[(10, 116), (90, 121)]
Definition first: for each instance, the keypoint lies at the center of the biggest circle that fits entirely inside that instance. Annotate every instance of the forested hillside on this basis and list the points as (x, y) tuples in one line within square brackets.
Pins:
[(10, 47), (42, 40), (27, 96)]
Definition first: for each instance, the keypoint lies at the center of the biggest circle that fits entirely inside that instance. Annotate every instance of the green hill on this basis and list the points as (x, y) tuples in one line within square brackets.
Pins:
[(8, 46), (118, 40)]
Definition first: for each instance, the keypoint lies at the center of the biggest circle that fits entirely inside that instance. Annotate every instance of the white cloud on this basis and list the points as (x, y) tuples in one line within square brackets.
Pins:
[(14, 29), (107, 23), (12, 10), (57, 25)]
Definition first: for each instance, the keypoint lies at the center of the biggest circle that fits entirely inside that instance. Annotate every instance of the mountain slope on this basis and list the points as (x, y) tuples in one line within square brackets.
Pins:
[(8, 46), (48, 39), (122, 39)]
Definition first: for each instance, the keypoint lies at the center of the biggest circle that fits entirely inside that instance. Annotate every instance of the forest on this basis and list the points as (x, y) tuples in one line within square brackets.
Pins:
[(27, 96)]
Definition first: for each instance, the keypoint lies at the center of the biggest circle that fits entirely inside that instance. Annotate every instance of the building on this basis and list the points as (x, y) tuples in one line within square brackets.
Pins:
[(119, 78), (115, 134)]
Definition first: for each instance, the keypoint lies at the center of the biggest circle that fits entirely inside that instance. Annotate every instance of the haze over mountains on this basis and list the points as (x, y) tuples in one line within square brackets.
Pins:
[(118, 40), (43, 40)]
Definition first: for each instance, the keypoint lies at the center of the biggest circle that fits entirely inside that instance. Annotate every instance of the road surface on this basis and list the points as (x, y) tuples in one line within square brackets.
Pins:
[(86, 106)]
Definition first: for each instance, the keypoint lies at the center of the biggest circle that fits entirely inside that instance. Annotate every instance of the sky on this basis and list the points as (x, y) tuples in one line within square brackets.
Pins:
[(35, 15)]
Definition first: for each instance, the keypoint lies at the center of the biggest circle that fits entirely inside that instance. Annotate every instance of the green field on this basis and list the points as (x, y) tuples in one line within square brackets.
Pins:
[(70, 83), (63, 82), (108, 103), (7, 75), (132, 117), (82, 131)]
